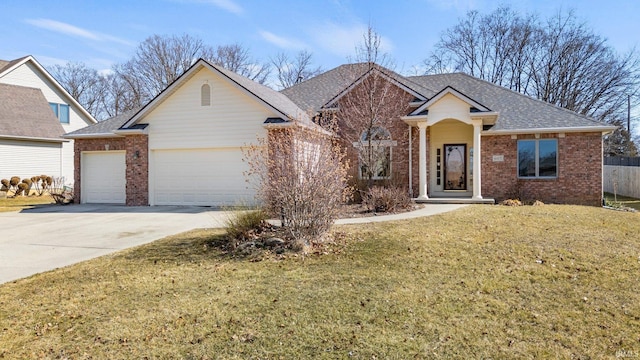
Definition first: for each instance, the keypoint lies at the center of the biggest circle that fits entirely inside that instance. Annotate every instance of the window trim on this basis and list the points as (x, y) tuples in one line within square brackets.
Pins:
[(205, 95), (58, 113), (384, 142), (536, 158)]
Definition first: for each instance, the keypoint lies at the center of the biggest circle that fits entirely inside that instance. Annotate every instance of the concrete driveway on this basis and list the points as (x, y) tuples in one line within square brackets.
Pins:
[(49, 237)]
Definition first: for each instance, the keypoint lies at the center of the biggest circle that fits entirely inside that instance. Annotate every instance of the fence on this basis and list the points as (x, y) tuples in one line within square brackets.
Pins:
[(621, 175)]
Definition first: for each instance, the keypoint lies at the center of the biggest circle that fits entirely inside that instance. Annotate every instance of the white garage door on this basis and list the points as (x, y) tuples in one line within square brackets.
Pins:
[(209, 177), (103, 177)]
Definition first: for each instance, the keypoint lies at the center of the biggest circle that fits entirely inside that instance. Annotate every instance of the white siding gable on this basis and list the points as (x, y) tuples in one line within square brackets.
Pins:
[(449, 107), (233, 119)]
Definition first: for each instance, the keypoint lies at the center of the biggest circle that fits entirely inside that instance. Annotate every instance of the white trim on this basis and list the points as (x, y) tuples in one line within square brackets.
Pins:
[(131, 131), (53, 140), (454, 92), (53, 81), (605, 129), (92, 136)]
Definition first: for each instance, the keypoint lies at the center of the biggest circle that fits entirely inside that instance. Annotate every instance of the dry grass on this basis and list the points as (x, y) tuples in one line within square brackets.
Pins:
[(23, 202), (481, 282), (622, 201)]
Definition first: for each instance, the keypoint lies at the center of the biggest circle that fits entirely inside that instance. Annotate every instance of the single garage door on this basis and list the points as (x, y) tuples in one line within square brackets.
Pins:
[(103, 177), (204, 177)]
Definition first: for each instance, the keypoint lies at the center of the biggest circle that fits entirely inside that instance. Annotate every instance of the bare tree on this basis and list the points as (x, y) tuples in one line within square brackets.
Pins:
[(238, 59), (368, 112), (121, 94), (158, 61), (292, 71), (83, 83), (301, 177), (560, 61)]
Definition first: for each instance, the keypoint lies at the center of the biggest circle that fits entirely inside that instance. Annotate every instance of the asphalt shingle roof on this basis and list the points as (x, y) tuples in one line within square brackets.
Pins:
[(517, 111), (106, 126), (25, 112), (313, 93)]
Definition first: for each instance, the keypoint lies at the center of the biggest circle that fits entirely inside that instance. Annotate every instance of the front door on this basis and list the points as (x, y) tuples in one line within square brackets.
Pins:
[(455, 166)]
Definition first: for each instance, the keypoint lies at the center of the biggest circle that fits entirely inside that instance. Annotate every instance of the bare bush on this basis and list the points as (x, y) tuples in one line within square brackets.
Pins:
[(61, 193), (300, 175), (389, 199)]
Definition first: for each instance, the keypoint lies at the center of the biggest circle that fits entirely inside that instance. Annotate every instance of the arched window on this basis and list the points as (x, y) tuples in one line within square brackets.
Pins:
[(205, 95), (375, 153)]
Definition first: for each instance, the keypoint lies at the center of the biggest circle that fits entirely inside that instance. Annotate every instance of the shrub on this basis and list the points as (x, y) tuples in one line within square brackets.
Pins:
[(5, 184), (300, 177), (389, 199), (241, 223), (60, 193), (22, 187), (14, 181)]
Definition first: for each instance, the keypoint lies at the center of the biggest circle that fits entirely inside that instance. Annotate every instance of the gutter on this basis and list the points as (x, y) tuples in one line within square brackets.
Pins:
[(38, 139)]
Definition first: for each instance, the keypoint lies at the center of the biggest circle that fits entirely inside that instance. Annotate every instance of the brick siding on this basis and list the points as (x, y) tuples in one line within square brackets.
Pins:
[(137, 186), (579, 178)]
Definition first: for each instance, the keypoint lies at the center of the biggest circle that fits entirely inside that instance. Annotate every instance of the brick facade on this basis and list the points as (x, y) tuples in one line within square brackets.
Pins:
[(137, 163), (579, 178), (137, 160)]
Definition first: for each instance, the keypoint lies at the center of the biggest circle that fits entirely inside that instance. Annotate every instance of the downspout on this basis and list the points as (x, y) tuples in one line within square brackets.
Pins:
[(410, 165)]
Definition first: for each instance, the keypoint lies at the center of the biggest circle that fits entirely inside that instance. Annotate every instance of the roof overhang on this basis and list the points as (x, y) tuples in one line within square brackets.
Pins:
[(487, 117), (605, 129), (30, 138), (92, 136)]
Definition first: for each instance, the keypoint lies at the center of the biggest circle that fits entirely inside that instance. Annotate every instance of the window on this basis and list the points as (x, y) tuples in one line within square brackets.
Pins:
[(205, 95), (61, 111), (538, 158), (375, 153)]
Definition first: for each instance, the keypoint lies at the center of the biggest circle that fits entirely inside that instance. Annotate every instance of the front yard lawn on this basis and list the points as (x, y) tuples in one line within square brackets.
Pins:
[(623, 201), (480, 282), (23, 202)]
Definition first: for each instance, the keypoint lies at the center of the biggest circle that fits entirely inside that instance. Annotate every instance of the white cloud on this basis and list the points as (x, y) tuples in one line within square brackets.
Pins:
[(62, 28), (68, 29), (343, 40), (281, 41), (228, 5)]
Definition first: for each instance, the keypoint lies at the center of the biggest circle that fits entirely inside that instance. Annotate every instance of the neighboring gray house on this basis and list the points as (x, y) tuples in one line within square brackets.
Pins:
[(35, 111)]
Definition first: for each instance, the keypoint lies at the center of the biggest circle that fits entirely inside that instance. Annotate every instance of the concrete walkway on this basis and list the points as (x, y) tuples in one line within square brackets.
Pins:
[(48, 237), (427, 210)]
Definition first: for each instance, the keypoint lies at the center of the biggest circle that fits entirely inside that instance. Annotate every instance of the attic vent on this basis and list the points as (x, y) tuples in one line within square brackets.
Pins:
[(205, 95)]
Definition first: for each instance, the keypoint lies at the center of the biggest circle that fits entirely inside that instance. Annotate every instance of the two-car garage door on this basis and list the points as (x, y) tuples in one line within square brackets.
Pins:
[(207, 177), (204, 177)]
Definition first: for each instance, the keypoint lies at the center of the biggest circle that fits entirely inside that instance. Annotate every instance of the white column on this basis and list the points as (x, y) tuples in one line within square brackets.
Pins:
[(477, 157), (423, 161)]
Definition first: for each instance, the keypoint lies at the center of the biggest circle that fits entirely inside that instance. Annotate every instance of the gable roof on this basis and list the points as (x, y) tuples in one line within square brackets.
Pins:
[(281, 104), (518, 112), (315, 93), (26, 114), (11, 65)]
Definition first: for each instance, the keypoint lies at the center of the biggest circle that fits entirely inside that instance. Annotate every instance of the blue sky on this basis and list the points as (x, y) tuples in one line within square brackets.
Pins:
[(102, 33)]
